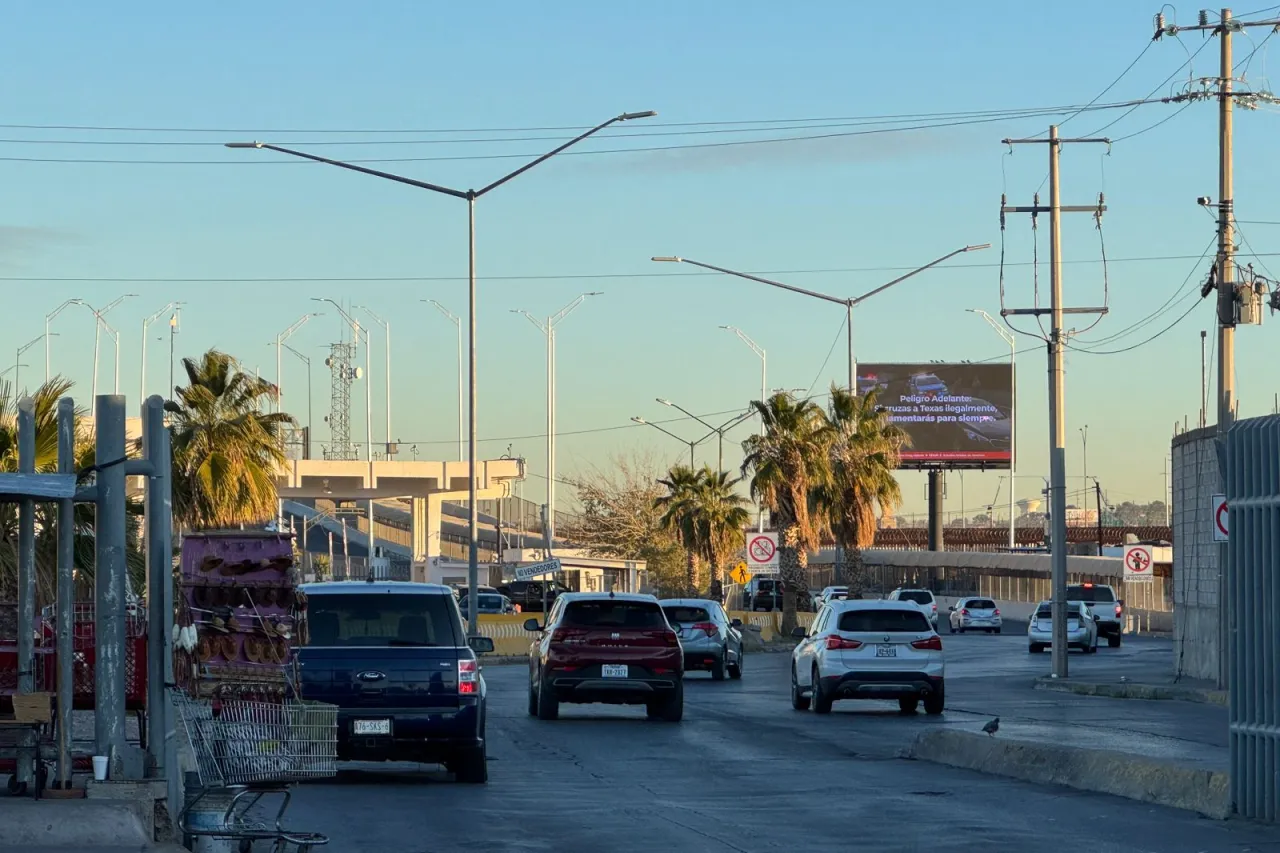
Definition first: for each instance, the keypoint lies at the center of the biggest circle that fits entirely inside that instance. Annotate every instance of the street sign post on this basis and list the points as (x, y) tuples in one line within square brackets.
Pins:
[(534, 570), (1218, 517), (1138, 567), (762, 553), (740, 575)]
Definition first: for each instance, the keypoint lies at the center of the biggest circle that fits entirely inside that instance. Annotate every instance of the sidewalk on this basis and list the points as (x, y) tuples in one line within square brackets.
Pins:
[(1123, 687)]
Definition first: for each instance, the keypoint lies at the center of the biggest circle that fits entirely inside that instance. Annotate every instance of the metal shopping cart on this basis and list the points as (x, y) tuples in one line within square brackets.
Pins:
[(245, 751)]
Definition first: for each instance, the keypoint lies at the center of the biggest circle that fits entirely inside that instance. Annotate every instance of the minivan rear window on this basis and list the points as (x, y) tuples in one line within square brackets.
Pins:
[(884, 621), (614, 614), (687, 614), (383, 619), (916, 595)]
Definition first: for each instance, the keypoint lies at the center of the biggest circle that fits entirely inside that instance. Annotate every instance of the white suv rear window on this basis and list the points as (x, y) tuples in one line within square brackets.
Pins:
[(884, 621), (919, 596)]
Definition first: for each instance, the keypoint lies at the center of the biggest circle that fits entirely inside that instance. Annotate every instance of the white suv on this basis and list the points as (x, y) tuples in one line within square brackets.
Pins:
[(923, 597), (868, 650)]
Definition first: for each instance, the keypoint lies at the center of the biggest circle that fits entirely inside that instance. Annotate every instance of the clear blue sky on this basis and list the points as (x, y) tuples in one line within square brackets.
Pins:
[(866, 206)]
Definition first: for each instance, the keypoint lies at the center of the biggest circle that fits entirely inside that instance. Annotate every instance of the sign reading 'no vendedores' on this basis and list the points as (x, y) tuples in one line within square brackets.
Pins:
[(957, 415)]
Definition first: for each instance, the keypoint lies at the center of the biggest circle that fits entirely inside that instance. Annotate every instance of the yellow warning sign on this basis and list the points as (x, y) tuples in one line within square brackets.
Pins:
[(740, 574)]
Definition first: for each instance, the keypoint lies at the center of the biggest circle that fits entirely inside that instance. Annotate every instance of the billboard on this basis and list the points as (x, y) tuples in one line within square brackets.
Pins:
[(958, 415)]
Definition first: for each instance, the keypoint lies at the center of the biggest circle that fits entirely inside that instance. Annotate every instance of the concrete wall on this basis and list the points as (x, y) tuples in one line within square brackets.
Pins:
[(1195, 557)]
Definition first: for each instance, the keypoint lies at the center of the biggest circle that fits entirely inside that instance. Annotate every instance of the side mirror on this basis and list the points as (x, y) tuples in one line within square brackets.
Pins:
[(481, 645), (532, 625), (736, 623), (799, 632), (951, 609)]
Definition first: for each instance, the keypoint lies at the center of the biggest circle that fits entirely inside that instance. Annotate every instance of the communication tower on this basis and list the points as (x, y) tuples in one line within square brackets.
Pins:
[(341, 374)]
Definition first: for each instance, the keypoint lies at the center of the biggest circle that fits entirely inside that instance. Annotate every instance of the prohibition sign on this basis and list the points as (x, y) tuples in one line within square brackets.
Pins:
[(1139, 561), (1220, 520), (762, 549)]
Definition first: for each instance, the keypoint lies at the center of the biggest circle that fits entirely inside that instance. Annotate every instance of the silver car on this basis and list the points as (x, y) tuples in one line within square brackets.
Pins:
[(710, 639), (974, 614), (1082, 628)]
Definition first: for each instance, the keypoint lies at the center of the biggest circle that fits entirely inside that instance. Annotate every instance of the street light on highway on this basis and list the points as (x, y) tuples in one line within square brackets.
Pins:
[(17, 386), (470, 196), (1013, 414), (764, 391), (307, 361), (146, 324), (386, 329), (692, 444), (457, 322), (99, 323), (548, 328), (280, 339), (48, 318), (715, 430)]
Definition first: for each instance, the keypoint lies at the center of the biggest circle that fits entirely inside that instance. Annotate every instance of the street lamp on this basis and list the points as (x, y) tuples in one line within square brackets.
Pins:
[(368, 407), (280, 339), (548, 328), (764, 391), (847, 302), (99, 323), (457, 322), (307, 361), (470, 196), (1013, 414), (18, 356), (146, 324), (386, 329), (1084, 446), (715, 430), (48, 318), (692, 444)]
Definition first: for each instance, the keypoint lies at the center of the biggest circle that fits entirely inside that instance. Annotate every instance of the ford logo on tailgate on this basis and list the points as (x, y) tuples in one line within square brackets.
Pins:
[(371, 675)]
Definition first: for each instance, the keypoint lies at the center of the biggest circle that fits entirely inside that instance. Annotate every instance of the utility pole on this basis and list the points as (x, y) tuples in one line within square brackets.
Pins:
[(1204, 383), (1097, 490), (1057, 405), (1231, 297)]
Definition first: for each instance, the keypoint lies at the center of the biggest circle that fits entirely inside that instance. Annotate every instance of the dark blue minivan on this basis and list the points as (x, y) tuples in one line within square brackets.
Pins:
[(395, 658)]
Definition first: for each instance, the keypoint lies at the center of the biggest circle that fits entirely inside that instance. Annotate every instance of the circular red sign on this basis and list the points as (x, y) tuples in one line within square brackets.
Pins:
[(761, 549), (1220, 518), (1138, 560)]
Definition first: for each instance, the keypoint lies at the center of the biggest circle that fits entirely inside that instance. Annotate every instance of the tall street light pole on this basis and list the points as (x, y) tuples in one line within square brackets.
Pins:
[(470, 196), (764, 391), (280, 339), (548, 328), (146, 324), (716, 430), (1009, 339), (17, 386), (457, 322), (692, 444), (99, 322), (386, 330), (1084, 463), (48, 318), (307, 361), (359, 330)]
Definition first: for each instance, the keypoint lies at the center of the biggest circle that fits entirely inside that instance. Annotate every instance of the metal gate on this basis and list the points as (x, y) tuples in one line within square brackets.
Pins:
[(1252, 467)]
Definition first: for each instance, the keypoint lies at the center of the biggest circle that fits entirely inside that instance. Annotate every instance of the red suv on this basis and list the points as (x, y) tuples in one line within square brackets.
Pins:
[(611, 648)]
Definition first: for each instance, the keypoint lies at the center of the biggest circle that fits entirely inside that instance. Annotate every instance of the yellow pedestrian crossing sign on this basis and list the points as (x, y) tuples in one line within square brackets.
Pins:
[(740, 574)]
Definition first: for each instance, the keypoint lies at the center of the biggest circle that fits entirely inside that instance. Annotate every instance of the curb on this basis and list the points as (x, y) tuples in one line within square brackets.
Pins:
[(1128, 775), (1130, 690), (74, 824)]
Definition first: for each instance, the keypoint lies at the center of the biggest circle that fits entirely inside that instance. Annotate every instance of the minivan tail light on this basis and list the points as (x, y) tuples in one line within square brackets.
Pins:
[(838, 642), (468, 677), (709, 627), (932, 644)]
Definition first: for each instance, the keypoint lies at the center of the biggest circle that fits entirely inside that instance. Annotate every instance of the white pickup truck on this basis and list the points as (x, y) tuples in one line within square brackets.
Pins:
[(1107, 608)]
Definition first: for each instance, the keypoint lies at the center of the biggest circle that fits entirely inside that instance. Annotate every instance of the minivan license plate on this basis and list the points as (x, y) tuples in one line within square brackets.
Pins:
[(373, 727), (614, 670), (886, 651)]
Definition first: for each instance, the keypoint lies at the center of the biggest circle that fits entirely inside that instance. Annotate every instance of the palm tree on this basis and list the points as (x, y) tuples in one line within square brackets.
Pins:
[(706, 516), (863, 452), (787, 463), (225, 449)]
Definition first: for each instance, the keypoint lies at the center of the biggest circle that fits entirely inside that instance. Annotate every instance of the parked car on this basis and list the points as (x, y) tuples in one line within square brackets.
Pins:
[(1106, 606), (528, 594), (490, 602), (923, 597), (860, 649), (832, 593), (710, 639), (369, 645), (995, 429), (766, 594), (1082, 629), (610, 648), (974, 614), (927, 385)]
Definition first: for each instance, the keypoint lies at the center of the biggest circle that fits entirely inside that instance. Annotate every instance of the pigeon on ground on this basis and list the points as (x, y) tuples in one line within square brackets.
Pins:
[(992, 727)]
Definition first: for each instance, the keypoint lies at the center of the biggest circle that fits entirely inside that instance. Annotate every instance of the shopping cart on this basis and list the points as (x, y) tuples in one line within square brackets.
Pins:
[(245, 751)]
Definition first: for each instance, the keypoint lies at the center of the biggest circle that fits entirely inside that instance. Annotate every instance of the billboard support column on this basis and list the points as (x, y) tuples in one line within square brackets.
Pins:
[(935, 509)]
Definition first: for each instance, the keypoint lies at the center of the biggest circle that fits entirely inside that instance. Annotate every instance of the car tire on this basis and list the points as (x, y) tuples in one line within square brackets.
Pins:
[(1035, 648), (798, 700), (548, 705), (935, 701), (908, 704), (717, 668), (735, 669), (669, 709), (1113, 641), (471, 767), (821, 699)]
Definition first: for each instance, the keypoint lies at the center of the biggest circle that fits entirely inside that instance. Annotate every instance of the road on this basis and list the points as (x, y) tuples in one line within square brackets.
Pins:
[(744, 772)]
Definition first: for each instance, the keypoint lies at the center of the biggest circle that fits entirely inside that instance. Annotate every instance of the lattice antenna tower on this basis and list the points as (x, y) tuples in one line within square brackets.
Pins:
[(341, 374)]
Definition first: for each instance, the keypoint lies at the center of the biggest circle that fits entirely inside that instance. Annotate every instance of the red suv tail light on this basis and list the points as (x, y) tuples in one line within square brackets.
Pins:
[(709, 627), (932, 644), (671, 639), (468, 677), (837, 642)]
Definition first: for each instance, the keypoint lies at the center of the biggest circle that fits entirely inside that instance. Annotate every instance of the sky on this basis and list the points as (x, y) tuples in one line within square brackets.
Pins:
[(460, 94)]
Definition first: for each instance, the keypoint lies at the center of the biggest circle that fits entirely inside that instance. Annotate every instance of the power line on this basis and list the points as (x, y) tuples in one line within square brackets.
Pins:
[(1110, 85), (827, 360), (1149, 95), (1151, 127), (1184, 316)]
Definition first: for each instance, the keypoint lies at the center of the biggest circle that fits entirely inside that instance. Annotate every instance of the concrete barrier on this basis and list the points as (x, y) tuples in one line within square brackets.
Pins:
[(507, 632), (1134, 690), (73, 824), (1128, 775)]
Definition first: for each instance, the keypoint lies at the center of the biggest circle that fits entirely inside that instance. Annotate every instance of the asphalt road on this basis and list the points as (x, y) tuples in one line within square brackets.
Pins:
[(745, 772)]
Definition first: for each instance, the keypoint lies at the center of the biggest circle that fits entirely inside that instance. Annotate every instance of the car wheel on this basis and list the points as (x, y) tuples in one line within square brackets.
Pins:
[(1035, 648), (533, 701), (471, 767), (821, 700), (717, 668), (669, 709), (1114, 641), (548, 705), (908, 704), (934, 702), (798, 700)]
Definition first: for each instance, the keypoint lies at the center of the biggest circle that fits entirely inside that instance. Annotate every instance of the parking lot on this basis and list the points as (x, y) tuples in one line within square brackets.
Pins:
[(745, 772)]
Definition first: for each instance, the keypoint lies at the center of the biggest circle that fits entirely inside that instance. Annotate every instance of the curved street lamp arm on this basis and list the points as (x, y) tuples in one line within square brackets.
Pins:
[(301, 321), (568, 309), (542, 327), (423, 185), (305, 359), (55, 312), (1003, 332), (815, 294), (678, 438), (381, 322), (687, 412), (746, 339), (917, 271), (445, 311)]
